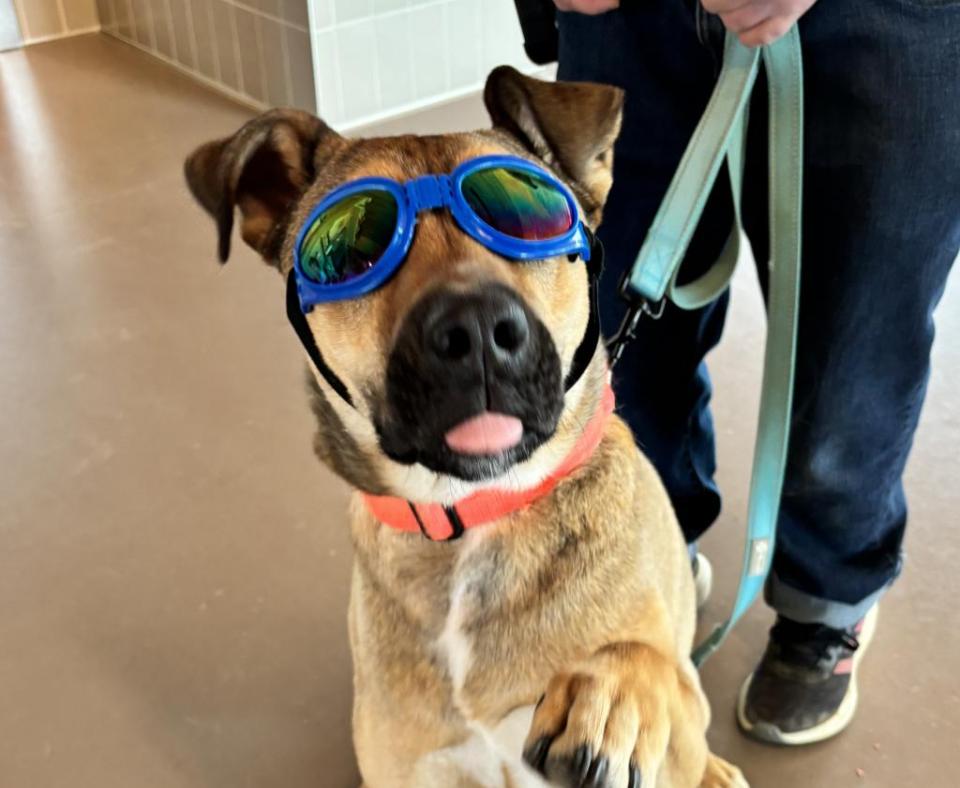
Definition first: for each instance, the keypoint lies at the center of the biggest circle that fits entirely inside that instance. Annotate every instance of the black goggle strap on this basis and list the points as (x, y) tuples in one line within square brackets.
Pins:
[(299, 322), (591, 337), (581, 357)]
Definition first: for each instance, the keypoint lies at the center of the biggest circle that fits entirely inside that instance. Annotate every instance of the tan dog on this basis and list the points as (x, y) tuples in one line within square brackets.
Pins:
[(554, 641)]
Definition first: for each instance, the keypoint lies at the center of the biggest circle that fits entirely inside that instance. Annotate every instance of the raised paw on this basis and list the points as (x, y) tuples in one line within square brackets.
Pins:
[(606, 725), (584, 768)]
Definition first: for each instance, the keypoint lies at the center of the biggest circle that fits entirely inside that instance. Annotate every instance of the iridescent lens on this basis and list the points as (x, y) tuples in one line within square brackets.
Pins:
[(518, 203), (348, 238)]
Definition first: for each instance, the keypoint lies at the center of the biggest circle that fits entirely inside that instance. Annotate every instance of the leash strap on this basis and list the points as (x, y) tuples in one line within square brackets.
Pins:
[(721, 135)]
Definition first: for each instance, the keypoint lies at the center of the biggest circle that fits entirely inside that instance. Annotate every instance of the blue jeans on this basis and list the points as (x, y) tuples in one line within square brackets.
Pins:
[(881, 231)]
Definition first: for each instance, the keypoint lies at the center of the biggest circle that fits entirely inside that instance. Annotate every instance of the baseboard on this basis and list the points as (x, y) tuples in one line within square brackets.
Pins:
[(29, 42)]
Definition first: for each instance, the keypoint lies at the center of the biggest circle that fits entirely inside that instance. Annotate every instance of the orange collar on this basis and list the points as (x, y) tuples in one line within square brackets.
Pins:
[(444, 523)]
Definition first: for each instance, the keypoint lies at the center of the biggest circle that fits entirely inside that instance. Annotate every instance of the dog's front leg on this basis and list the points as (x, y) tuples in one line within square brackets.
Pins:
[(627, 715)]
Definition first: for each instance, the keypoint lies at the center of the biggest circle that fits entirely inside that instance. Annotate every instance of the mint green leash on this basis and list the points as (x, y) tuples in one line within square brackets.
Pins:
[(721, 134)]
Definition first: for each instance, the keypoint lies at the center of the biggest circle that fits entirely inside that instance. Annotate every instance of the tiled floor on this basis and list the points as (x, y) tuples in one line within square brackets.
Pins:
[(174, 562)]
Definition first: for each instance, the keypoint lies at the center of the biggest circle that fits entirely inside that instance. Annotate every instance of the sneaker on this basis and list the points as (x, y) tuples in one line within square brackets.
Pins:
[(805, 688), (702, 578)]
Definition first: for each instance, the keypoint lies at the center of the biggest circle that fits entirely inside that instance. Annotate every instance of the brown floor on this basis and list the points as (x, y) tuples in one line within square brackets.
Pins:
[(174, 562)]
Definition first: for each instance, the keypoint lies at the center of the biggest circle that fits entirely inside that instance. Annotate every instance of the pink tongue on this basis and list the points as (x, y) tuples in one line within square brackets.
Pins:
[(488, 433)]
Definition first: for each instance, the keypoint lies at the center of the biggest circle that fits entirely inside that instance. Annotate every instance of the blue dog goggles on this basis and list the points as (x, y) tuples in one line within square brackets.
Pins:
[(360, 233)]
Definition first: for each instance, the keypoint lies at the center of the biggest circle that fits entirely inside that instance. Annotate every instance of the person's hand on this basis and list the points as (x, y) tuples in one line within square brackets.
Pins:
[(758, 22), (587, 6)]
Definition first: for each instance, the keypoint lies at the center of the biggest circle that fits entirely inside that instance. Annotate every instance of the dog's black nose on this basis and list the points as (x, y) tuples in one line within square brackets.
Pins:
[(486, 329)]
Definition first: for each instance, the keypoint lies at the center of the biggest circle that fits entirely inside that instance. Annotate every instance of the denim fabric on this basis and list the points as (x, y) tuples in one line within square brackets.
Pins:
[(881, 231)]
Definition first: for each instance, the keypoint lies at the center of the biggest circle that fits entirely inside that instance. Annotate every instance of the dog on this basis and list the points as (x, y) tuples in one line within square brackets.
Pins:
[(543, 635)]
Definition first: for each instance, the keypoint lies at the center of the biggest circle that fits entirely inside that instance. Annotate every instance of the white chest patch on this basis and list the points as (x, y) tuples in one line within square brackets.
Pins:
[(488, 756), (454, 644)]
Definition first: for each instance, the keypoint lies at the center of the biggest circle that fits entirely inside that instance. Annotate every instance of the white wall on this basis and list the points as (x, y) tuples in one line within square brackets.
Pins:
[(374, 59), (9, 27)]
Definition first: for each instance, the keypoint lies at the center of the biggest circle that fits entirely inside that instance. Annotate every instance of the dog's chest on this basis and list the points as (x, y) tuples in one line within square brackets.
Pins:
[(476, 596), (474, 589)]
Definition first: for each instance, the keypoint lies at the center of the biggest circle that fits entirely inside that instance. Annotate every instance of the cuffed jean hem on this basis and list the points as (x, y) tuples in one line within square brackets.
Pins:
[(806, 609)]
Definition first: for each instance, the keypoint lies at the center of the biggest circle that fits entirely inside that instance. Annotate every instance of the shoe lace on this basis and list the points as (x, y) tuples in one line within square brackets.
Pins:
[(811, 643)]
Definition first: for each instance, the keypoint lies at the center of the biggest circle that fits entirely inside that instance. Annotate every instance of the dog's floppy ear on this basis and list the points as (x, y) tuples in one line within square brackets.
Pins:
[(263, 170), (570, 125)]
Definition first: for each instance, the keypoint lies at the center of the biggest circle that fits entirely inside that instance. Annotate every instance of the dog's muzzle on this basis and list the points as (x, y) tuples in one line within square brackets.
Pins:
[(474, 383)]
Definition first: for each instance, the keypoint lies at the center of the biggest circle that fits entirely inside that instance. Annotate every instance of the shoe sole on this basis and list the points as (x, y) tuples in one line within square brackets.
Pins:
[(830, 727), (703, 580)]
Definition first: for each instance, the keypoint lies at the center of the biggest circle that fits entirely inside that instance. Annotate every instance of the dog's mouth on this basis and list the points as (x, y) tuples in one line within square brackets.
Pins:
[(480, 448), (473, 385), (485, 434)]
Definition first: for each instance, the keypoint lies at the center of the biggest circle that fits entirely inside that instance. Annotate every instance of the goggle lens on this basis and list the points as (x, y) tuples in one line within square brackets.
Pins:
[(348, 238), (518, 203)]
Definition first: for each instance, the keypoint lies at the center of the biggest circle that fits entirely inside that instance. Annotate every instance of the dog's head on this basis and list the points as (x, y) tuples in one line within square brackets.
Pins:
[(451, 374)]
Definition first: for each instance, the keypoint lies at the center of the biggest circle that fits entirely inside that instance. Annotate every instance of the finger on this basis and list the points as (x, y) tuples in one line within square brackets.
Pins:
[(728, 6), (745, 18), (767, 31), (549, 720), (619, 741), (586, 718), (587, 6), (654, 738)]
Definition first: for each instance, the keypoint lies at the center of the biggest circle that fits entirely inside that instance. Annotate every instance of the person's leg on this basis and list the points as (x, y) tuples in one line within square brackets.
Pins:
[(881, 230), (652, 50)]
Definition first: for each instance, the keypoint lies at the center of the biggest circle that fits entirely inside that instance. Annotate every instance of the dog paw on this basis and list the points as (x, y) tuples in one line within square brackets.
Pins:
[(604, 726), (720, 774), (581, 769)]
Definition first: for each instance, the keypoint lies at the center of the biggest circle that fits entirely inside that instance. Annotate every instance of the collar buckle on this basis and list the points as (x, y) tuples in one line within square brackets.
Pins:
[(457, 527)]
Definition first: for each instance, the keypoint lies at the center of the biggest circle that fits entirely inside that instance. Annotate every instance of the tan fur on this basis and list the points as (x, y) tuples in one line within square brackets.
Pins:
[(584, 601)]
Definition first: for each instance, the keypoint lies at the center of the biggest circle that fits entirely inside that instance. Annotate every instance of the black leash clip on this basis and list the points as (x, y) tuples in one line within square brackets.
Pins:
[(638, 307)]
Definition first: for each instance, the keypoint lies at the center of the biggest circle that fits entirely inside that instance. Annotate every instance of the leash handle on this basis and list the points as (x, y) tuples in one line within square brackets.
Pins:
[(721, 135)]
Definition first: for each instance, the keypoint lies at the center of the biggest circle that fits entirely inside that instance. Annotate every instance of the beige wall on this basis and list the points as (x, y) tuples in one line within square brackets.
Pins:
[(41, 20), (257, 49)]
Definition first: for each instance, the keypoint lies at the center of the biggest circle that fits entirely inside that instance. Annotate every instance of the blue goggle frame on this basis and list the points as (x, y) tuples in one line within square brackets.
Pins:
[(426, 193)]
